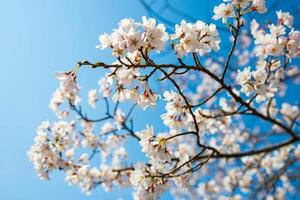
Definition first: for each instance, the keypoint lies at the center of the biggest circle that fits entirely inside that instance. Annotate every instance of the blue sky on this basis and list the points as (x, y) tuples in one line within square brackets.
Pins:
[(38, 38)]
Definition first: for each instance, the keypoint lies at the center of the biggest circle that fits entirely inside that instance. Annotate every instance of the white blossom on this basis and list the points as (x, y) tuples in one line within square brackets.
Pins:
[(223, 11), (92, 96), (155, 35), (243, 76), (259, 6), (285, 18), (192, 38)]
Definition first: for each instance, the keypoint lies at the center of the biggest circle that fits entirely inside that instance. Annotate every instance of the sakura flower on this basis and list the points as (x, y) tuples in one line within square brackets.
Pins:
[(146, 135), (127, 76), (119, 118), (92, 97), (272, 43), (276, 31), (259, 6), (247, 89), (290, 112), (134, 41), (259, 75), (175, 102), (117, 39), (132, 95), (293, 42), (174, 121), (67, 81), (105, 86), (90, 140), (223, 11), (194, 38), (134, 58), (105, 41), (147, 99), (126, 26), (285, 18), (176, 115), (243, 76), (58, 97), (69, 154), (119, 96), (241, 3), (138, 178), (155, 35)]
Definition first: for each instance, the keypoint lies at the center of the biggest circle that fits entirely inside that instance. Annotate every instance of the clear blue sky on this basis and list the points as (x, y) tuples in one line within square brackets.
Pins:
[(37, 38)]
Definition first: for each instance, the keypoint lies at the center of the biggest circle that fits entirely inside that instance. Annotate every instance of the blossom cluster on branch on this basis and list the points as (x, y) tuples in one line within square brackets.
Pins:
[(231, 134)]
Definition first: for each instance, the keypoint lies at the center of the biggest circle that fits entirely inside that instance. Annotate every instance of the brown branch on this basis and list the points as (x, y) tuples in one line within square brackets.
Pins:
[(235, 35), (253, 152)]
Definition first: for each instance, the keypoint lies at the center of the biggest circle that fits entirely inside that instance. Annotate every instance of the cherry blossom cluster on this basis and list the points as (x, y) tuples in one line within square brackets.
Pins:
[(229, 132), (55, 149), (238, 7), (131, 85), (279, 39), (256, 82), (265, 80), (195, 38), (131, 36), (177, 113)]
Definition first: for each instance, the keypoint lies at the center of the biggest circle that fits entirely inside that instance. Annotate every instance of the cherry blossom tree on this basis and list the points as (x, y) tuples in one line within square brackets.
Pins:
[(231, 133)]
